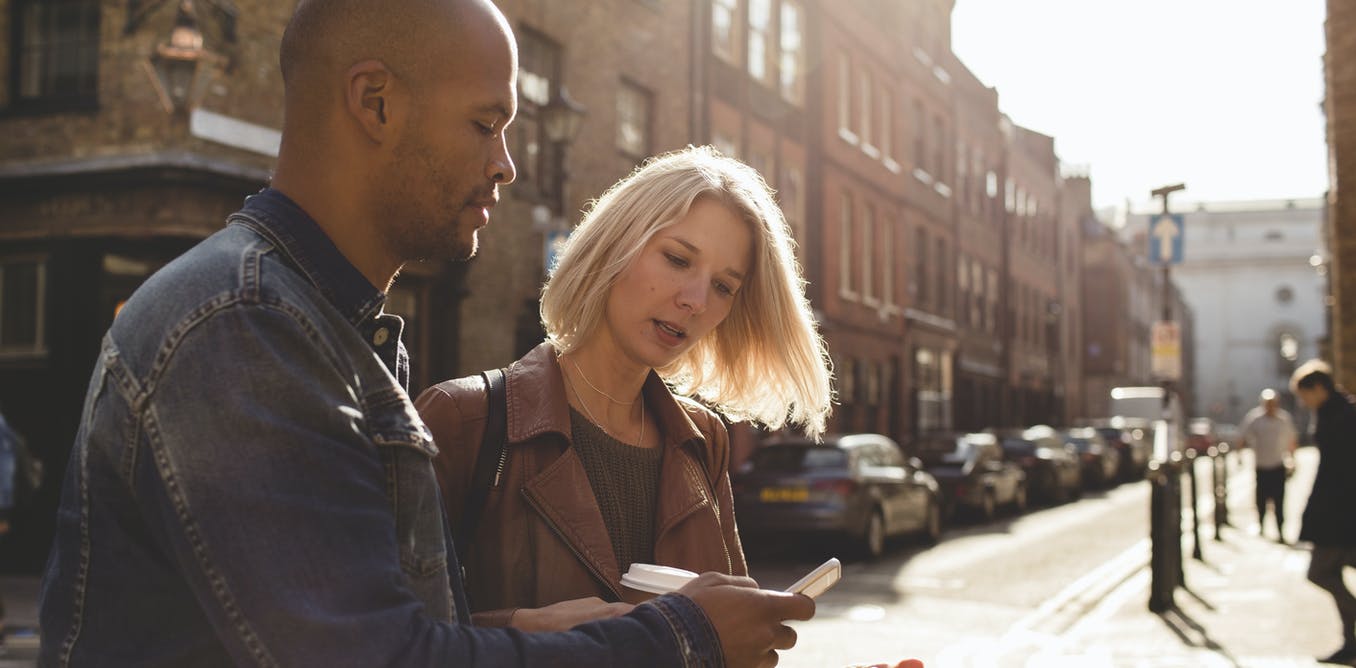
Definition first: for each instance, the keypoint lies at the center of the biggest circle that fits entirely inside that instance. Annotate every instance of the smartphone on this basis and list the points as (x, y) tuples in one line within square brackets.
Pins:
[(819, 580)]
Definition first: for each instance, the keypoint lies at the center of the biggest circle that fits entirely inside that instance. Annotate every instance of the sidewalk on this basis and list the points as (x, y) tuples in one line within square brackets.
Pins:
[(1248, 604)]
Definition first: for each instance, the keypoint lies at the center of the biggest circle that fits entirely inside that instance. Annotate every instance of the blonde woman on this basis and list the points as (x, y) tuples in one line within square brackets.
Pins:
[(680, 282)]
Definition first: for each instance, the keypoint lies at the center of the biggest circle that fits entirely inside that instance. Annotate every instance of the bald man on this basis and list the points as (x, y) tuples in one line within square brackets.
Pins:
[(250, 484)]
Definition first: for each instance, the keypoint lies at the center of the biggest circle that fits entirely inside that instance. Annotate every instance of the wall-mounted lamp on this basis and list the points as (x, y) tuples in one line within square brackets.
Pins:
[(182, 68)]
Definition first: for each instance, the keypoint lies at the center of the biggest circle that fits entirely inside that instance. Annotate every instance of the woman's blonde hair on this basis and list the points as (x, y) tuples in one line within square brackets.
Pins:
[(766, 361)]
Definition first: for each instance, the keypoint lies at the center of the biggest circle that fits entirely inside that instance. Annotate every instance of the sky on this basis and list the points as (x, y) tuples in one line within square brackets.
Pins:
[(1222, 95)]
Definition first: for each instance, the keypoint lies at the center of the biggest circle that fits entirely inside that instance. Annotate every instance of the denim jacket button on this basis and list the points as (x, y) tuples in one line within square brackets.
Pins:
[(380, 337)]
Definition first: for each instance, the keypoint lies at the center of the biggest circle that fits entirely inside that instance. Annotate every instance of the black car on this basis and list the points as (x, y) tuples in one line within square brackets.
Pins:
[(857, 486), (1101, 462), (1133, 439), (1053, 474), (973, 474)]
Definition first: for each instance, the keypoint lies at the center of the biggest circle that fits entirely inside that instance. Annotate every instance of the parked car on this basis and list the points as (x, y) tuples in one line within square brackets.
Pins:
[(1201, 435), (1100, 461), (973, 474), (1053, 474), (1133, 439), (857, 486)]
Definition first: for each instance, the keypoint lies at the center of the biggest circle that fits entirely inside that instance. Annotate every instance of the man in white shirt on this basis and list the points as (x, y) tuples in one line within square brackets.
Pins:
[(1271, 434)]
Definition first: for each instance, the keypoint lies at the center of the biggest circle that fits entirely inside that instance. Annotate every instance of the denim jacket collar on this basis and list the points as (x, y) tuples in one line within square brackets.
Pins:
[(303, 240)]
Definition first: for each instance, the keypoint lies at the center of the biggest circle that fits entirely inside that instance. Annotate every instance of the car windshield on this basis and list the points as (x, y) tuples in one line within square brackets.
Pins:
[(1018, 448), (798, 458), (1080, 443), (959, 453), (1110, 433)]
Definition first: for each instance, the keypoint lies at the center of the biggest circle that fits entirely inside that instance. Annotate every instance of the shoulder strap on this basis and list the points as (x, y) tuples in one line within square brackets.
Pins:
[(489, 463)]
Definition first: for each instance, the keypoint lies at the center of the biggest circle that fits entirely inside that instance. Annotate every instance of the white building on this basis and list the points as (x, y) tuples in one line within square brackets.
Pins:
[(1253, 276)]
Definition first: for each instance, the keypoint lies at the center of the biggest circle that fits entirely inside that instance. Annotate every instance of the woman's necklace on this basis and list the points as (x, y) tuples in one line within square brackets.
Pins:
[(640, 441), (595, 387)]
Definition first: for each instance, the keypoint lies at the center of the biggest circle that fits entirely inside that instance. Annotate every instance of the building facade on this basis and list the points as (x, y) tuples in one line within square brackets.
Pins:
[(1339, 106), (1251, 277)]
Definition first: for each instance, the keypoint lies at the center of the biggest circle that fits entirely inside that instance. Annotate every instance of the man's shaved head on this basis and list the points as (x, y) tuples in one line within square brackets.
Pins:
[(417, 40)]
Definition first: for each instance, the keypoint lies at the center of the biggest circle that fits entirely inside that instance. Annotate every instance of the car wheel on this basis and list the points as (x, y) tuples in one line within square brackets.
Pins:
[(873, 538), (988, 507), (932, 532), (1020, 501)]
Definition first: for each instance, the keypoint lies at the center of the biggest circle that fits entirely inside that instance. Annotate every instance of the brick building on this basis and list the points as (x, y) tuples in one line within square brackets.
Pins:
[(100, 186), (981, 381), (1074, 217), (1032, 289), (636, 88), (1339, 105), (860, 203)]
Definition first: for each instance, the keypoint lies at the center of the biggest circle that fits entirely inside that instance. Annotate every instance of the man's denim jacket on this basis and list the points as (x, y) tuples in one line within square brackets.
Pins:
[(251, 485)]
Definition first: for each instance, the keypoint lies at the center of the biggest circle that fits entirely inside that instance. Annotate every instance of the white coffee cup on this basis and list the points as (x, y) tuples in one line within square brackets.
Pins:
[(653, 579)]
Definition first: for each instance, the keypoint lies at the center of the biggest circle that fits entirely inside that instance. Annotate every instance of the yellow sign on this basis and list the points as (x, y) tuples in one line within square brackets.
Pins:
[(1167, 351)]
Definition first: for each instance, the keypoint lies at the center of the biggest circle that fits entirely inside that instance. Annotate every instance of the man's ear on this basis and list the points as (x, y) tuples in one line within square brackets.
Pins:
[(368, 95)]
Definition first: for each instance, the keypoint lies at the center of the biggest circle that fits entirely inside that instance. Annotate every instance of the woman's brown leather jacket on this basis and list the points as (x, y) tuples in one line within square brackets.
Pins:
[(541, 538)]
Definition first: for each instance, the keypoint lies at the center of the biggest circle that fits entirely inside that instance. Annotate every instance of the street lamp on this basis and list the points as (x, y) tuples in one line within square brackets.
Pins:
[(181, 68), (560, 122)]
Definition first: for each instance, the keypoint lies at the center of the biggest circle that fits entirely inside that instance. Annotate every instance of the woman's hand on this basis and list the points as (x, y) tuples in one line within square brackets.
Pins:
[(566, 615)]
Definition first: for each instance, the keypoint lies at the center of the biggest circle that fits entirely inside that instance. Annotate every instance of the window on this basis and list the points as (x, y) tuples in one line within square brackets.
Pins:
[(932, 380), (23, 294), (920, 134), (724, 28), (864, 109), (538, 75), (963, 172), (991, 318), (887, 244), (845, 99), (847, 380), (943, 285), (760, 29), (868, 254), (920, 277), (845, 249), (887, 120), (939, 146), (56, 53), (633, 120), (963, 288), (793, 53), (792, 196), (977, 305)]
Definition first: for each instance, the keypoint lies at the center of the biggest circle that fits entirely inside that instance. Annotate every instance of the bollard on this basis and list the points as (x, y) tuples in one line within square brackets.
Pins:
[(1223, 507), (1217, 485), (1175, 517), (1195, 511), (1162, 581)]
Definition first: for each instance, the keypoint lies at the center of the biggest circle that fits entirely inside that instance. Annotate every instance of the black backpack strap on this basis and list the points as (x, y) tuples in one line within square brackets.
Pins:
[(489, 463)]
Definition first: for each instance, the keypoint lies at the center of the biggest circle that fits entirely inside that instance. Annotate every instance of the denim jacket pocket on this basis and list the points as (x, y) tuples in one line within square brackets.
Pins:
[(406, 449)]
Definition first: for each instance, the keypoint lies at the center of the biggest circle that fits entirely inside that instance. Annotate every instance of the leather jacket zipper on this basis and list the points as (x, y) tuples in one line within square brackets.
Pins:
[(592, 569)]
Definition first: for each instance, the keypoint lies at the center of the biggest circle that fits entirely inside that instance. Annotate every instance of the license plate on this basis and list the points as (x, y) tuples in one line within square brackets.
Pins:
[(784, 494)]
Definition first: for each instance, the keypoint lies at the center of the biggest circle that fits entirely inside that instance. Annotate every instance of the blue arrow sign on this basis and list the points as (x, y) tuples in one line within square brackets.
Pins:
[(1166, 232)]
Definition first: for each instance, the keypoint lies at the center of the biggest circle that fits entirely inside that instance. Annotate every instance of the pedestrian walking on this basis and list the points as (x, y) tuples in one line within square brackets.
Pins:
[(250, 483), (1270, 433), (680, 282), (1329, 522)]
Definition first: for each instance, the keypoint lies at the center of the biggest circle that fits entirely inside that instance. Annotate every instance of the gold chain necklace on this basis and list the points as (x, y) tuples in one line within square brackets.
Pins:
[(595, 387), (640, 441)]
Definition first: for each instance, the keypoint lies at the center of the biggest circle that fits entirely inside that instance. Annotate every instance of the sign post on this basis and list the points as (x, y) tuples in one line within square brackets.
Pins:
[(1165, 503)]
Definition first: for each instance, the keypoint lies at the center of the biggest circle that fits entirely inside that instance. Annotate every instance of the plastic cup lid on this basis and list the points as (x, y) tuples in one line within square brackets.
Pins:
[(654, 579)]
